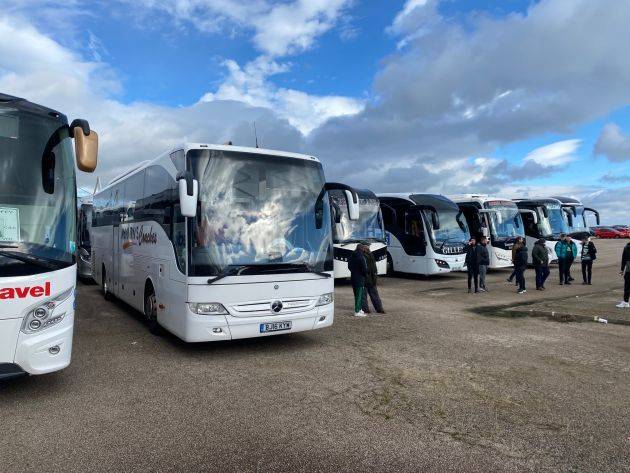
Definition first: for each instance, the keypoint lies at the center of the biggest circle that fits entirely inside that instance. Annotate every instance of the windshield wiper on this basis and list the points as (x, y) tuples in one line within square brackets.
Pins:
[(265, 269), (29, 258)]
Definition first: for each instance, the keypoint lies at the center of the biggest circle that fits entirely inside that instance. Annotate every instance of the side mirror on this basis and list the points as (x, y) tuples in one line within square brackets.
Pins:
[(85, 145), (353, 205), (188, 194), (435, 220), (545, 211)]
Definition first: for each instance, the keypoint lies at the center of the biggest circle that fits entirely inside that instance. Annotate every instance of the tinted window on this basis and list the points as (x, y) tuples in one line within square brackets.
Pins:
[(134, 191)]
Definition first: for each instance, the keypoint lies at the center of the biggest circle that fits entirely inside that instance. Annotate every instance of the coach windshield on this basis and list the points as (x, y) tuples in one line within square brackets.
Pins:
[(257, 210), (37, 201)]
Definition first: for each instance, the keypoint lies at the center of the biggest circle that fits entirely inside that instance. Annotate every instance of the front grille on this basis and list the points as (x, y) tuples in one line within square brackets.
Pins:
[(263, 308)]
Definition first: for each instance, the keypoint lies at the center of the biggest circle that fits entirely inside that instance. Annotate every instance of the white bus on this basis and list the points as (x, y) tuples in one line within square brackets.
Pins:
[(544, 218), (348, 232), (426, 233), (84, 244), (575, 216), (496, 218), (38, 246), (219, 242)]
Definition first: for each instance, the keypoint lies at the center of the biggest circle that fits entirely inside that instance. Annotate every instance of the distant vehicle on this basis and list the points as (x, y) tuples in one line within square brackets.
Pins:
[(544, 218), (84, 245), (623, 229), (219, 242), (575, 215), (608, 232), (367, 228), (497, 219), (38, 216), (426, 233)]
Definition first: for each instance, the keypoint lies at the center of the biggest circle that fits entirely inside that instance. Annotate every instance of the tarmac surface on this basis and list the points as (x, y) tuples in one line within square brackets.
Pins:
[(444, 382)]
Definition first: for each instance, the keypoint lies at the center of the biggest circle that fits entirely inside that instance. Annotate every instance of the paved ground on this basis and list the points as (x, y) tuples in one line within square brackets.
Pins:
[(437, 384)]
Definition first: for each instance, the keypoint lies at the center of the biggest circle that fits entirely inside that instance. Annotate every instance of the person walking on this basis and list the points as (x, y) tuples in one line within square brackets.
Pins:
[(566, 251), (520, 265), (358, 272), (625, 272), (483, 261), (517, 244), (589, 254), (540, 258), (370, 284), (472, 265)]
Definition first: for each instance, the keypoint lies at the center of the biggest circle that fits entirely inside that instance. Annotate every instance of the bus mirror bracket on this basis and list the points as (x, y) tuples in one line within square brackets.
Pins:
[(85, 145), (531, 212), (188, 194), (588, 209), (351, 197), (569, 211)]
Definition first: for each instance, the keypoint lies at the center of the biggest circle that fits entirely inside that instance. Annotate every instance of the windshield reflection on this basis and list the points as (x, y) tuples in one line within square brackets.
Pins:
[(256, 209), (505, 221), (453, 228), (554, 224), (369, 226)]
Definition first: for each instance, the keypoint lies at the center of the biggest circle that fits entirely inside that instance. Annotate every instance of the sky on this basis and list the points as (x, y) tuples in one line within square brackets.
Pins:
[(515, 98)]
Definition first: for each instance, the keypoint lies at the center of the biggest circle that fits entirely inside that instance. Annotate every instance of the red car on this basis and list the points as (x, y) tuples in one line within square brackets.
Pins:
[(608, 232), (623, 229)]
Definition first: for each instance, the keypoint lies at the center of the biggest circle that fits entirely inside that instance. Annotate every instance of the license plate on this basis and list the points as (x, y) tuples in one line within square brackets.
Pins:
[(275, 327)]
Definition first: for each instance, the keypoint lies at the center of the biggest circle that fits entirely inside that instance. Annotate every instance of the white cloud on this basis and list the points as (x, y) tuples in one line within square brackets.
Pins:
[(306, 112), (280, 28), (613, 144), (555, 154)]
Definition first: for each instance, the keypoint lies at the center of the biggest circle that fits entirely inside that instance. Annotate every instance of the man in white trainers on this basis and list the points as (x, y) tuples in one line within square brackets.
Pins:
[(358, 272), (625, 272)]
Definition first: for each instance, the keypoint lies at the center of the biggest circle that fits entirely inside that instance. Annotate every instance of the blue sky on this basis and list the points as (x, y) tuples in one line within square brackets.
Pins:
[(504, 96)]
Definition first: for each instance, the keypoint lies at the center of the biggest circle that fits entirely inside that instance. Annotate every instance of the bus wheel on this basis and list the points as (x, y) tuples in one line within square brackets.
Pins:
[(390, 265), (150, 309), (104, 286)]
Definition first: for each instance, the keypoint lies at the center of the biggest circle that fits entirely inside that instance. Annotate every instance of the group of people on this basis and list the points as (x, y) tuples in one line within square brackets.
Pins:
[(364, 275), (477, 261)]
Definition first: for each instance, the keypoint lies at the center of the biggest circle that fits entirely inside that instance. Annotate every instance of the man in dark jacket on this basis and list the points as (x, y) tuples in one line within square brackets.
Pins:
[(358, 272), (472, 264), (520, 265), (517, 244), (589, 254), (540, 258), (370, 284), (625, 272), (483, 261)]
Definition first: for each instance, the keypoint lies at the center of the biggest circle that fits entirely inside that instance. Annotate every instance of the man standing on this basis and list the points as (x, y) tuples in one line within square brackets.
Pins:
[(589, 254), (566, 251), (370, 284), (358, 272), (472, 265), (625, 272), (517, 244), (483, 260), (540, 258), (520, 265)]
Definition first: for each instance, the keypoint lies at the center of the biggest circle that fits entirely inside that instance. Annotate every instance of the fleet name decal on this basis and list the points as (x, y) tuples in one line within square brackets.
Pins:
[(23, 292), (137, 236)]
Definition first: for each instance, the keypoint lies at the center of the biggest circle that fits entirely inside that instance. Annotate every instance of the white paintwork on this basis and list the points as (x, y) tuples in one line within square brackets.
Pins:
[(30, 351), (421, 264)]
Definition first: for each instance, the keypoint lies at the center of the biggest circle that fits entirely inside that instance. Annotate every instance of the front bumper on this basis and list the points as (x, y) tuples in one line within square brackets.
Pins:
[(32, 351), (204, 328)]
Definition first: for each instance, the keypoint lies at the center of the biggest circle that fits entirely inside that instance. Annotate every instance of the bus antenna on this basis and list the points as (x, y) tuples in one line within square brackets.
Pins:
[(255, 135)]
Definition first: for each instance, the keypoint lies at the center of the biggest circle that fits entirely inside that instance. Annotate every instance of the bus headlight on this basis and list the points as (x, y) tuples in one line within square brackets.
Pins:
[(42, 316), (326, 299), (207, 308)]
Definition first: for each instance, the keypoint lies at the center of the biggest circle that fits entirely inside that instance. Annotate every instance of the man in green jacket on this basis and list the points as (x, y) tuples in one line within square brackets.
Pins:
[(566, 250)]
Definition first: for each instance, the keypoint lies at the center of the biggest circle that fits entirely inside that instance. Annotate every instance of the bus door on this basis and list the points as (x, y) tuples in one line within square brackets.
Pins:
[(414, 240)]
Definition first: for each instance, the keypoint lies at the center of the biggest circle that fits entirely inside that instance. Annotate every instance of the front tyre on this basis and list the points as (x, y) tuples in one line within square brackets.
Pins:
[(150, 311)]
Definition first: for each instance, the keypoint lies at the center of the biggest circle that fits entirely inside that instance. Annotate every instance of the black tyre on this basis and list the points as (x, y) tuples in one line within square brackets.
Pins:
[(390, 265), (150, 310), (107, 295)]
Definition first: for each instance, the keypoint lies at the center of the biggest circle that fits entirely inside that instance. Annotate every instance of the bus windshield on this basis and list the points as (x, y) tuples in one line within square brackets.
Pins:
[(453, 228), (37, 194), (554, 224), (369, 226), (256, 209), (505, 220)]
